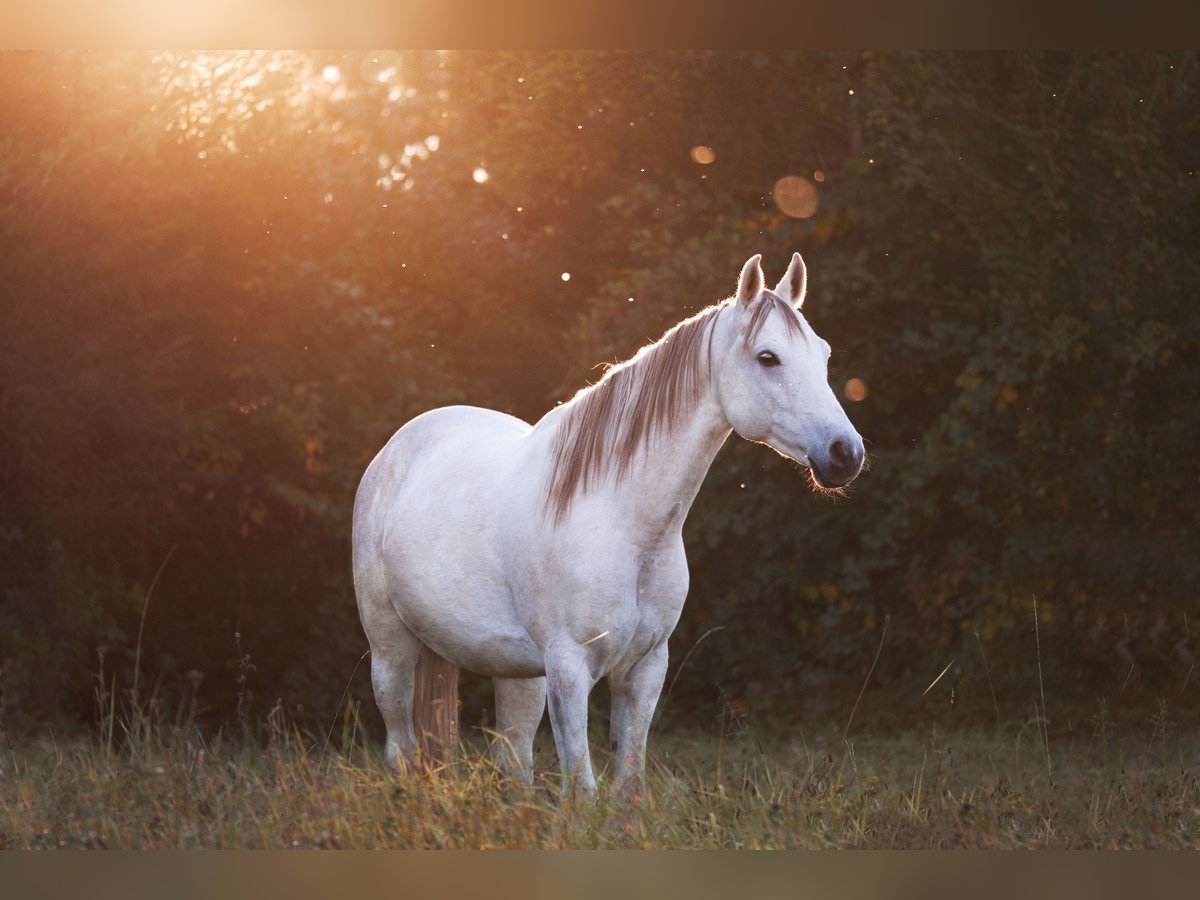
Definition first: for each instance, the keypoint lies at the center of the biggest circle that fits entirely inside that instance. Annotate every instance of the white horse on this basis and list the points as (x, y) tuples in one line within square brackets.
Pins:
[(550, 556)]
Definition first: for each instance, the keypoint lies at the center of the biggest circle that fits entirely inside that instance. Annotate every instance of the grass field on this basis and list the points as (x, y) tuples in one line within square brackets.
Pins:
[(141, 786)]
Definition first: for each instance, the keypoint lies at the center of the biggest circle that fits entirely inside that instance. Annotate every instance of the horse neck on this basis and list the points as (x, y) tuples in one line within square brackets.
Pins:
[(644, 437), (661, 485)]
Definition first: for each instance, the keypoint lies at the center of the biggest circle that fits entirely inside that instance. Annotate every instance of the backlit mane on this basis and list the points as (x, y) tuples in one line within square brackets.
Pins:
[(605, 425)]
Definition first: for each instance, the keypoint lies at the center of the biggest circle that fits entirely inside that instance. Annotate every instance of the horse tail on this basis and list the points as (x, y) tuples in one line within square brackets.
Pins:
[(435, 707)]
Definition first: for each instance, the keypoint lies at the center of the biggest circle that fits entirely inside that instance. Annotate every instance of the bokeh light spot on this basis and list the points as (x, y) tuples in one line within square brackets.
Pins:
[(703, 155), (856, 390), (331, 74), (380, 66), (566, 276), (795, 196), (480, 175)]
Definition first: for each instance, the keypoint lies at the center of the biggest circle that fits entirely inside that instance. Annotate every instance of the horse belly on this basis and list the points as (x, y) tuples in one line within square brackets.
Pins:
[(463, 612)]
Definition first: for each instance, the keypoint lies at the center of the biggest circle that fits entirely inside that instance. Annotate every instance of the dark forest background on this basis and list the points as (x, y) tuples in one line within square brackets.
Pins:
[(226, 279)]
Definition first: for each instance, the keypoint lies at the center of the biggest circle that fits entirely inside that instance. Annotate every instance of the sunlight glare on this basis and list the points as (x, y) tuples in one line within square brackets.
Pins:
[(380, 66), (208, 96)]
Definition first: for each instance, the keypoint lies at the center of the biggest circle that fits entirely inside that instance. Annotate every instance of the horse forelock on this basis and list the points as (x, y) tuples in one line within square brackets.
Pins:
[(771, 302), (607, 424)]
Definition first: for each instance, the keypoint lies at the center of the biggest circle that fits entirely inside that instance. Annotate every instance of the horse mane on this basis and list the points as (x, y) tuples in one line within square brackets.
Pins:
[(605, 425)]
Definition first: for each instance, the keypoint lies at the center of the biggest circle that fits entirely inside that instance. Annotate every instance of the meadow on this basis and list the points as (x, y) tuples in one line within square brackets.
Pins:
[(1095, 782)]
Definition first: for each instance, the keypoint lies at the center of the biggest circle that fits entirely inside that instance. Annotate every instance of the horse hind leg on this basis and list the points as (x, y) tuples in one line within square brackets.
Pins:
[(394, 652), (393, 665), (520, 703)]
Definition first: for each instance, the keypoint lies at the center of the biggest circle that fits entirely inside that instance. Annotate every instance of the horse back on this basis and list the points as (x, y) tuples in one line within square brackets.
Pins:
[(450, 450)]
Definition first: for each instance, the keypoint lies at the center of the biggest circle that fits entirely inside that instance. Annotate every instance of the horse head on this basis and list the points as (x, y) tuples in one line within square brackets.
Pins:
[(772, 378)]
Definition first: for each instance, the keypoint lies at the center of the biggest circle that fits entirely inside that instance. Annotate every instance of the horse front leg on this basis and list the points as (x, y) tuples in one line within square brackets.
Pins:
[(569, 681), (520, 703), (634, 696)]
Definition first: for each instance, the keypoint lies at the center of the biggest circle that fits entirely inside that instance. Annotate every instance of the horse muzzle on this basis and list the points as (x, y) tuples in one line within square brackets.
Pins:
[(840, 465)]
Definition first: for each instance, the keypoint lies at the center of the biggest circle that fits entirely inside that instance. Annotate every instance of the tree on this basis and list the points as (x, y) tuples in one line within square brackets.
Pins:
[(227, 278)]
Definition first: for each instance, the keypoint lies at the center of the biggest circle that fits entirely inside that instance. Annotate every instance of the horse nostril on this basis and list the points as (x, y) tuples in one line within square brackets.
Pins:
[(840, 453)]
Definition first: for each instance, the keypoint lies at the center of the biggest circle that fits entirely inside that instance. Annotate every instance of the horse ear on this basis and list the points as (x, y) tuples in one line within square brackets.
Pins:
[(794, 282), (751, 282)]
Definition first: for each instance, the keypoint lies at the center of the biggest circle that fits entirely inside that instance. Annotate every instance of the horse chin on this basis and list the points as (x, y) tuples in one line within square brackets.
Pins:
[(823, 482), (796, 454), (820, 480)]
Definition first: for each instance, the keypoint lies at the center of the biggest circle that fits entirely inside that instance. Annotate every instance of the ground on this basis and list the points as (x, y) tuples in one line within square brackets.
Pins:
[(738, 784)]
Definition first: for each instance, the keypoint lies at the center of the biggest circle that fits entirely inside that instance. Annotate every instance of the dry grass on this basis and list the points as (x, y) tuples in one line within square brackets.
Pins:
[(168, 787)]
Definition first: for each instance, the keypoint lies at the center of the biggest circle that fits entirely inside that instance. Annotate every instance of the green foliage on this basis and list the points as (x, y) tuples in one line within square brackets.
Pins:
[(225, 280)]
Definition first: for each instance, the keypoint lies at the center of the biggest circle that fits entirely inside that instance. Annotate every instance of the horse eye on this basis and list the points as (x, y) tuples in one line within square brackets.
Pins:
[(768, 359)]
